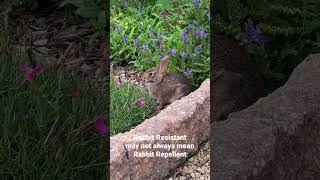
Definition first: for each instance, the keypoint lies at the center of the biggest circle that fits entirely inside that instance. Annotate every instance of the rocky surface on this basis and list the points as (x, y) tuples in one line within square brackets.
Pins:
[(277, 138), (197, 167), (188, 116)]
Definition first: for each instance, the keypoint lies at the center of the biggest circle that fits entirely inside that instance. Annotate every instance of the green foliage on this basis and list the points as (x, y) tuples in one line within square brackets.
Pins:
[(292, 29), (126, 111), (94, 10), (146, 21), (45, 133)]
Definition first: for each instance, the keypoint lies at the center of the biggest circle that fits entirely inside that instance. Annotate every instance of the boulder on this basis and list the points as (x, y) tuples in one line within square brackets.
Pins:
[(187, 117), (277, 137)]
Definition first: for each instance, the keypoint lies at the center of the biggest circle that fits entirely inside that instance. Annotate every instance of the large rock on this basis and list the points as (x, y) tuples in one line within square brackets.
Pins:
[(188, 116), (237, 79), (276, 138)]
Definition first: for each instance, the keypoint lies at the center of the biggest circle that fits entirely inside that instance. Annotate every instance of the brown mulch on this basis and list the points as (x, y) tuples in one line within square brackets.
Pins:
[(57, 37), (63, 39)]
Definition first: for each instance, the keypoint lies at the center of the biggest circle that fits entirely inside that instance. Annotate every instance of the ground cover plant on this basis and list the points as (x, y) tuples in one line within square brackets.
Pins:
[(278, 34), (129, 105), (53, 122), (142, 32)]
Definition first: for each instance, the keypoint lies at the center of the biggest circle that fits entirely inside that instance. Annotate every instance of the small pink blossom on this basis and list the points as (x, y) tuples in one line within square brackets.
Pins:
[(74, 93), (120, 84), (141, 101), (101, 126), (31, 73)]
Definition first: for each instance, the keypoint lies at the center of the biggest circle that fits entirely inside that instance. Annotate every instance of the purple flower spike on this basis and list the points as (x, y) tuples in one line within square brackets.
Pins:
[(189, 72), (184, 37), (173, 51), (161, 47), (183, 55), (101, 126), (136, 42), (254, 34), (125, 38), (196, 3), (145, 47), (154, 43), (198, 32)]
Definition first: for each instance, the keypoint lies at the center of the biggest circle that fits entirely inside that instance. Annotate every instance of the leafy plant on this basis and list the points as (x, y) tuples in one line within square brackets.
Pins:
[(290, 29), (130, 105), (94, 10), (145, 32), (47, 122)]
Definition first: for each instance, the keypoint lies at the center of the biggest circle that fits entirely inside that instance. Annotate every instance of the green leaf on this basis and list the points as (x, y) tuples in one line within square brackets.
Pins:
[(178, 28), (165, 4), (88, 12), (77, 3), (132, 10)]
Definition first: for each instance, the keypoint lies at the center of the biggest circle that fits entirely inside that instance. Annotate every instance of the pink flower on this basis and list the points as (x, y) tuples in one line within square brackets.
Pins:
[(31, 73), (101, 126), (141, 101), (74, 93), (120, 84)]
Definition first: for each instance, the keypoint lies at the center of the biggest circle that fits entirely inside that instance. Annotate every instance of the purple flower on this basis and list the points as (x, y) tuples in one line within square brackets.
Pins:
[(136, 42), (125, 38), (145, 47), (101, 126), (160, 36), (190, 26), (31, 73), (254, 33), (189, 72), (154, 43), (161, 47), (196, 3), (197, 32), (117, 29), (198, 49), (190, 55), (184, 37), (141, 101), (183, 55), (173, 51), (203, 34)]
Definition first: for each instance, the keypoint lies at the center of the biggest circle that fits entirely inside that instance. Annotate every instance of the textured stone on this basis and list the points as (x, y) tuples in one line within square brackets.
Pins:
[(280, 131), (188, 116)]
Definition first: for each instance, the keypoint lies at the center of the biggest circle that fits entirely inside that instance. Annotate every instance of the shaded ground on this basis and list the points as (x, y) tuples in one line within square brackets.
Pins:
[(63, 39)]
